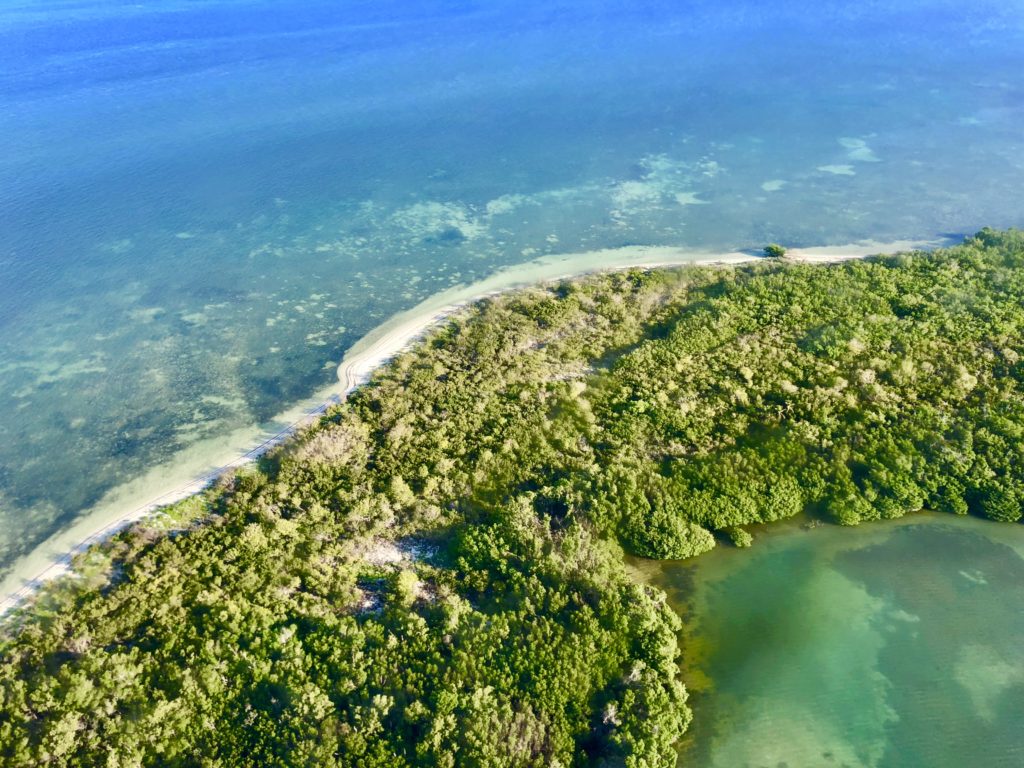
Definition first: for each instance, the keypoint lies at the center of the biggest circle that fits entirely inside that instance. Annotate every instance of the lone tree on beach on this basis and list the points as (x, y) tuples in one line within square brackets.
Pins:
[(774, 250)]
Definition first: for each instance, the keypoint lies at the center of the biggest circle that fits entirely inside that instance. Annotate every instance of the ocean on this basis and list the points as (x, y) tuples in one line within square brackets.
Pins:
[(203, 205)]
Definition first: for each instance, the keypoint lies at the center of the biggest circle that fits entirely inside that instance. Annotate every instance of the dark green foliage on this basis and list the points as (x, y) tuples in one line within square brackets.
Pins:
[(659, 529), (774, 251), (433, 576)]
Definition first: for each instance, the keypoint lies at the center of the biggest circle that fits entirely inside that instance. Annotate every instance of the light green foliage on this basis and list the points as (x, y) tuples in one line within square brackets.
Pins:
[(739, 537), (433, 575)]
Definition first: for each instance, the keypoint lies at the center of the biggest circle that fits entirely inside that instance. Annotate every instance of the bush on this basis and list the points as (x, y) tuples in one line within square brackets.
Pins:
[(665, 534), (739, 537)]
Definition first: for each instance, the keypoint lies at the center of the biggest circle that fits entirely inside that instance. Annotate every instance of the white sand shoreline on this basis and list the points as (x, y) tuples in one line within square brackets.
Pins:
[(195, 468)]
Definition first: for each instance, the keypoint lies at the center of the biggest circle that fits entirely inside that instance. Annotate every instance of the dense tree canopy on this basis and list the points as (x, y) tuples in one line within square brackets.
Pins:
[(434, 574)]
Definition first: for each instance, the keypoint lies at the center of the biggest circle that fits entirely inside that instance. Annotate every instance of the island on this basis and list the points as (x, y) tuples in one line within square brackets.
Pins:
[(435, 573)]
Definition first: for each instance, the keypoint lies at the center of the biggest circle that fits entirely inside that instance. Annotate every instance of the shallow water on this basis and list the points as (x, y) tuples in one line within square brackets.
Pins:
[(887, 645), (204, 204)]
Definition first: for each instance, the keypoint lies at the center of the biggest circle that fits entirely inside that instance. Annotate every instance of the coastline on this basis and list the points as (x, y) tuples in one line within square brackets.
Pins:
[(195, 468)]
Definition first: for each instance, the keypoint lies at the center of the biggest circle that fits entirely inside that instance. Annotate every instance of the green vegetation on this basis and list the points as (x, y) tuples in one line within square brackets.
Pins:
[(434, 575), (774, 251), (739, 537)]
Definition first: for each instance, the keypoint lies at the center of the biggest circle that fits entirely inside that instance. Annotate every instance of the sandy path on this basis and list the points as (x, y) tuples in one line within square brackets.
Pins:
[(195, 468)]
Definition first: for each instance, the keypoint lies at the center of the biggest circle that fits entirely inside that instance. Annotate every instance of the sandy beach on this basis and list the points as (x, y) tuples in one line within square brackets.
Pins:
[(194, 469)]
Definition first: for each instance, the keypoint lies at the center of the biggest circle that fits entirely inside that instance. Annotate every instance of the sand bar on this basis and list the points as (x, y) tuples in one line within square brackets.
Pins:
[(196, 467)]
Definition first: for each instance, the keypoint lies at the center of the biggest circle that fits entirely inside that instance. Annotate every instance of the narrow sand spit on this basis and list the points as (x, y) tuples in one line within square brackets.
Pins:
[(195, 468)]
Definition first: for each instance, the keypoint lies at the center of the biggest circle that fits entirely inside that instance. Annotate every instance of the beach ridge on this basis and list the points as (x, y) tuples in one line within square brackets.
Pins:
[(199, 466)]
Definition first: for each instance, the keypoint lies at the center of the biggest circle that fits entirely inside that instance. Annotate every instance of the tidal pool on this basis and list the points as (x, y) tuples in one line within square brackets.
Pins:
[(894, 644)]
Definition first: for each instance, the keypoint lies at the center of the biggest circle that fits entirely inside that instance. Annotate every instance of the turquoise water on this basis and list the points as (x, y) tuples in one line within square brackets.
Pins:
[(203, 204), (892, 645)]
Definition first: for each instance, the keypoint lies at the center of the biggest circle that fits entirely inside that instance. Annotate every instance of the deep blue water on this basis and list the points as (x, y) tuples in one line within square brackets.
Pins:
[(203, 204)]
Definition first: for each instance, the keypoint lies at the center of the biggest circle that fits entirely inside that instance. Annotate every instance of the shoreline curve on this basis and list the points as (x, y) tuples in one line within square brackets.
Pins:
[(196, 467)]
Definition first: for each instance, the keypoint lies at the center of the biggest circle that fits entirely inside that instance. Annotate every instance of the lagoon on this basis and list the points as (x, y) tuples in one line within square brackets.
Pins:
[(897, 644)]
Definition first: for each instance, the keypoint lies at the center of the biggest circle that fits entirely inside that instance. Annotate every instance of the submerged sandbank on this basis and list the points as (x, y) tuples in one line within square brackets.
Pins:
[(194, 468)]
